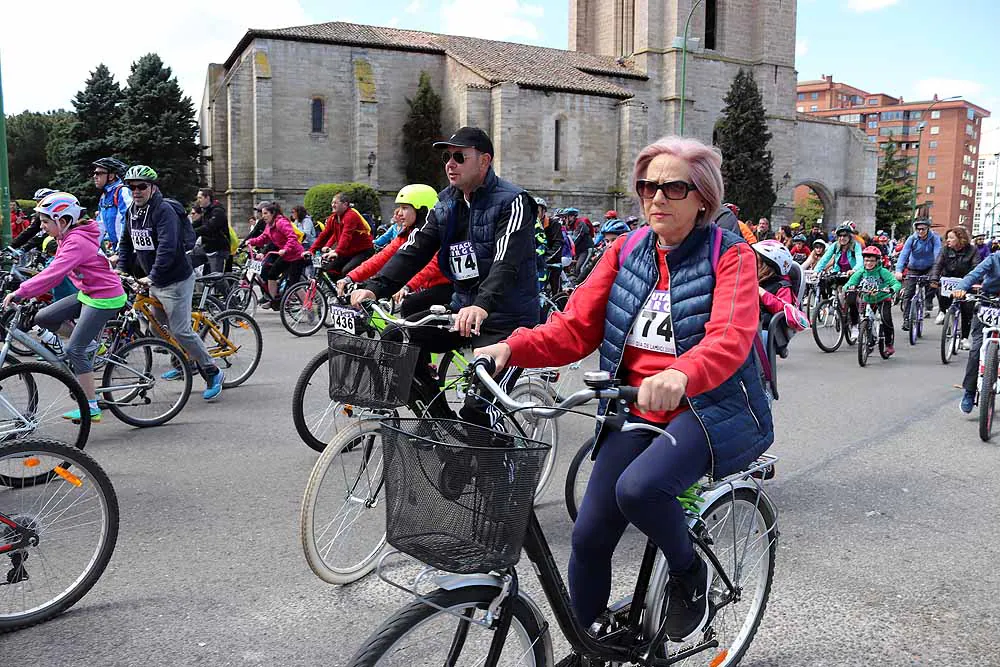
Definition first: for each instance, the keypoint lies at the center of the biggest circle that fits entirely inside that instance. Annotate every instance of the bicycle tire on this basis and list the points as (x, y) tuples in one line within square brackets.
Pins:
[(242, 297), (149, 372), (948, 337), (409, 622), (864, 334), (298, 294), (233, 323), (543, 430), (717, 515), (825, 310), (81, 469), (35, 406), (916, 318), (882, 344), (988, 394), (573, 490), (316, 426), (356, 449)]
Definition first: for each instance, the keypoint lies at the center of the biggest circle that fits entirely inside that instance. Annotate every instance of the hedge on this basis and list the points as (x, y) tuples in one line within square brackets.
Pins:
[(27, 205), (362, 197)]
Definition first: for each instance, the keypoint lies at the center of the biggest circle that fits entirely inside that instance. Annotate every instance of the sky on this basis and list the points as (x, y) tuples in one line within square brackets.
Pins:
[(912, 48)]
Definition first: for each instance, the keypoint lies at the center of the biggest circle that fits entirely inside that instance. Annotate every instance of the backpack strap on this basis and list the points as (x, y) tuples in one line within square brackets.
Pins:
[(632, 240)]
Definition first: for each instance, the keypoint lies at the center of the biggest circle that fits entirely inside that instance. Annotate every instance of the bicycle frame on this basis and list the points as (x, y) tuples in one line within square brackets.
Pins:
[(144, 305)]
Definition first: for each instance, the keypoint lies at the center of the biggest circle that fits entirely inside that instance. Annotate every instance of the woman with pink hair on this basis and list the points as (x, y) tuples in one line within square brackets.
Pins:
[(673, 308)]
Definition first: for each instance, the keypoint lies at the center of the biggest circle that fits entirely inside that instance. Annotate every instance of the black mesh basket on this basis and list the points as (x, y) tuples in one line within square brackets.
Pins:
[(458, 496), (370, 372)]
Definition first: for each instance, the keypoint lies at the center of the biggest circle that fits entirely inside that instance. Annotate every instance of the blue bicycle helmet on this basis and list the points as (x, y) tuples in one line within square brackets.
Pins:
[(615, 226)]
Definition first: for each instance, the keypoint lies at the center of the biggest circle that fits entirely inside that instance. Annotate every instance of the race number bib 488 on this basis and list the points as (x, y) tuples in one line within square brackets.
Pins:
[(653, 330), (142, 239), (462, 259)]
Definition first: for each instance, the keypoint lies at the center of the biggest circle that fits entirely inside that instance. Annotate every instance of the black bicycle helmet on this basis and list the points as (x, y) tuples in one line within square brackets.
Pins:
[(114, 165)]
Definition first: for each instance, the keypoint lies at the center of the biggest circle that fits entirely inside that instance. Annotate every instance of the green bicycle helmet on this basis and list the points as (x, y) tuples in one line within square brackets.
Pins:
[(140, 172), (418, 196)]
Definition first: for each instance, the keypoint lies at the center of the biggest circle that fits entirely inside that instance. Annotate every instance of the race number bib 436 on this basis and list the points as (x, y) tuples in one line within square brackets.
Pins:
[(142, 239), (462, 258), (652, 330)]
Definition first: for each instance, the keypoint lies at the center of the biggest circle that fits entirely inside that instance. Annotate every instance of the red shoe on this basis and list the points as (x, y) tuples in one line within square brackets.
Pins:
[(889, 350)]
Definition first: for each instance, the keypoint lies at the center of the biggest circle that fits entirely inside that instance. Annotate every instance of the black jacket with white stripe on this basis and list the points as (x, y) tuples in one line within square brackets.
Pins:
[(497, 225)]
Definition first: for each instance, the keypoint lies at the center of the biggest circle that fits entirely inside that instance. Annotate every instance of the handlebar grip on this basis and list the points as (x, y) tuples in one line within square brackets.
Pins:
[(628, 394), (488, 364)]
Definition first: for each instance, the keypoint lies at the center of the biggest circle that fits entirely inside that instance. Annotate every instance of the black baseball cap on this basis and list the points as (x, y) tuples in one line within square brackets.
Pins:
[(469, 137)]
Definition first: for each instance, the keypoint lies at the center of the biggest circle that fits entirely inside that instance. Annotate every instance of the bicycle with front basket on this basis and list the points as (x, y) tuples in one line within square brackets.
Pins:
[(469, 528)]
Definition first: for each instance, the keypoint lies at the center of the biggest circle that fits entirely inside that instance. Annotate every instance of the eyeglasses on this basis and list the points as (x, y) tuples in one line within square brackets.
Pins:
[(101, 173), (675, 190), (457, 156), (139, 187)]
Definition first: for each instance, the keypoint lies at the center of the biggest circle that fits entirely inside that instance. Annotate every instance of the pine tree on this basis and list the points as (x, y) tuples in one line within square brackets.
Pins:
[(157, 127), (421, 130), (87, 136), (28, 134), (894, 189), (742, 136)]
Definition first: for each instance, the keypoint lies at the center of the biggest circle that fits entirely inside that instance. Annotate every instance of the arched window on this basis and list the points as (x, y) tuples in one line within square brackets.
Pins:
[(317, 115)]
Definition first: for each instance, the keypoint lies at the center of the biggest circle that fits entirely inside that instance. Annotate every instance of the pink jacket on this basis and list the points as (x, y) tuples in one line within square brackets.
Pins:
[(281, 234), (77, 257)]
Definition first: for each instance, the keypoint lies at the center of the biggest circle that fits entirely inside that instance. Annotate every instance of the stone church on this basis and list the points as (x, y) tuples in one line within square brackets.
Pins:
[(323, 103)]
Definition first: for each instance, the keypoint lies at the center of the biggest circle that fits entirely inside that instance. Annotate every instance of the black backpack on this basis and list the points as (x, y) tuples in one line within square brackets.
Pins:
[(187, 229)]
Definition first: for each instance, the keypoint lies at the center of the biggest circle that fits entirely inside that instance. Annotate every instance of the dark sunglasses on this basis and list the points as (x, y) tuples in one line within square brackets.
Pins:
[(139, 187), (101, 173), (675, 190), (457, 156)]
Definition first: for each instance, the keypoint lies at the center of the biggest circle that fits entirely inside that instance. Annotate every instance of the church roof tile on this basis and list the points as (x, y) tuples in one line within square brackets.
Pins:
[(523, 64)]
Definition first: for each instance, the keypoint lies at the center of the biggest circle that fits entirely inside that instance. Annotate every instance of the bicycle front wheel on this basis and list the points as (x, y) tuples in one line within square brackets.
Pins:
[(916, 317), (828, 326), (577, 478), (75, 518), (988, 393), (146, 383), (864, 338), (449, 633), (236, 344), (242, 297), (303, 308), (949, 339), (342, 520)]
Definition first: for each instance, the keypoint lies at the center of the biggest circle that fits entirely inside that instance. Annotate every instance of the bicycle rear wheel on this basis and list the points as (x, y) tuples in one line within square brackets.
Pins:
[(236, 344), (303, 308), (449, 633), (133, 385), (949, 336), (828, 326), (543, 430), (988, 393), (342, 522), (75, 516)]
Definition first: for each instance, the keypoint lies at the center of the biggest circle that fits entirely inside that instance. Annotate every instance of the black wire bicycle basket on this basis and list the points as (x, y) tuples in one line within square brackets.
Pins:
[(370, 372), (458, 496)]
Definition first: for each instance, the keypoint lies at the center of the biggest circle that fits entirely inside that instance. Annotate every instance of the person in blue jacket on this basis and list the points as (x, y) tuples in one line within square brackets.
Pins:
[(918, 256), (987, 274), (112, 210)]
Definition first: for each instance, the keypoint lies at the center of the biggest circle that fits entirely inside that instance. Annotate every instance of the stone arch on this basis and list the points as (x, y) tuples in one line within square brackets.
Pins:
[(827, 198)]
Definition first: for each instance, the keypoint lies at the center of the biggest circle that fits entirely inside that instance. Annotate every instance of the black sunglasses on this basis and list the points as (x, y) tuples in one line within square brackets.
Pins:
[(101, 173), (139, 187), (675, 190), (457, 156)]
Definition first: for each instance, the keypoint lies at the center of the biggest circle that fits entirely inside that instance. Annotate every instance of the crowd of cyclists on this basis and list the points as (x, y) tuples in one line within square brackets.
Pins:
[(678, 303)]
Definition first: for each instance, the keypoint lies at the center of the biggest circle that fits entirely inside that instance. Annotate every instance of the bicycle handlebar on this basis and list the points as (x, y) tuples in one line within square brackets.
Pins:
[(441, 317)]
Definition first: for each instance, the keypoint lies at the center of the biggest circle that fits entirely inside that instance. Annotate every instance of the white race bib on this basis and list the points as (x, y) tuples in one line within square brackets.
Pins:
[(343, 319), (254, 267), (948, 285), (810, 277), (462, 258), (653, 329), (317, 260), (869, 284), (142, 239), (989, 316)]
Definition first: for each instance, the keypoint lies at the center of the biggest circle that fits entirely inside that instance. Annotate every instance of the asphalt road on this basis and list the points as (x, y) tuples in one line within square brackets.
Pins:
[(888, 503)]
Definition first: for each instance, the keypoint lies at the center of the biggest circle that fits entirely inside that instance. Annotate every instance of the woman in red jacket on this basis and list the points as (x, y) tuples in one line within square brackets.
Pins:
[(428, 287), (279, 232), (346, 240)]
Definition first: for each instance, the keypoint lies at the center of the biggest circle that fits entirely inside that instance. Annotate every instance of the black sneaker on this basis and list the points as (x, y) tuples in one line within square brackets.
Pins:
[(687, 602), (906, 326)]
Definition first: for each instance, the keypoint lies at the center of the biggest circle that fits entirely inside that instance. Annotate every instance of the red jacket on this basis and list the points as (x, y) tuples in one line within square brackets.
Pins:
[(281, 234), (348, 236), (429, 276), (576, 332)]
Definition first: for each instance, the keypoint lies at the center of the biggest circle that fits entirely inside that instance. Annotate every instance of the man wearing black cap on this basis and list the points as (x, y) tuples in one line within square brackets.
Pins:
[(482, 231)]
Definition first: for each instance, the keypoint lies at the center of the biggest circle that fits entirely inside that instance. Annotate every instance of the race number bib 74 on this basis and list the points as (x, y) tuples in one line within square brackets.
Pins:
[(653, 330), (462, 259), (142, 239)]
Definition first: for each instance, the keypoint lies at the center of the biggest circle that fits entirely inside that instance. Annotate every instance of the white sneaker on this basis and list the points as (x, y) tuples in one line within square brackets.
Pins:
[(939, 319), (854, 332), (964, 344)]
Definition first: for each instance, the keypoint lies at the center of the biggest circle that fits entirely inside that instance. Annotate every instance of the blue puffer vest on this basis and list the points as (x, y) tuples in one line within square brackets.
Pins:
[(736, 415), (519, 305)]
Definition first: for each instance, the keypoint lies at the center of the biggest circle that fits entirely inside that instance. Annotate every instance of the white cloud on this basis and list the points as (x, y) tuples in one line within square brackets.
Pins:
[(861, 6), (414, 7), (188, 36), (928, 88), (801, 47), (500, 19)]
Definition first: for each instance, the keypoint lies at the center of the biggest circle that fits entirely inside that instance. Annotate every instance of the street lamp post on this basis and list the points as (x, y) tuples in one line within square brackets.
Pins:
[(4, 177), (684, 51), (916, 168)]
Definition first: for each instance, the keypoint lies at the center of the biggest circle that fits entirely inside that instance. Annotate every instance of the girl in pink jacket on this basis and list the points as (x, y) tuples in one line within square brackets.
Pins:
[(100, 297), (280, 233)]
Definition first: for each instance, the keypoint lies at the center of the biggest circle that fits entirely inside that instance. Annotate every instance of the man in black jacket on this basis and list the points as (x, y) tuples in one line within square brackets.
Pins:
[(553, 246), (482, 231), (211, 224)]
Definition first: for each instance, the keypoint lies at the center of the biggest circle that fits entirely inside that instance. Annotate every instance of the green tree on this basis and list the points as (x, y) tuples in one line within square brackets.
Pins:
[(28, 135), (894, 189), (87, 135), (742, 136), (157, 127), (809, 210), (421, 129)]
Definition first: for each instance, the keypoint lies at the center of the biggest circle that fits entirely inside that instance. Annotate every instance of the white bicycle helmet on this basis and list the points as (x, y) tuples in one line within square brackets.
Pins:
[(776, 255), (60, 204), (42, 193)]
